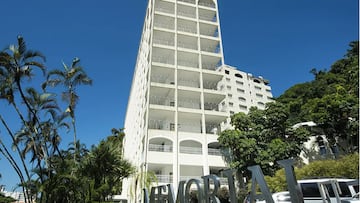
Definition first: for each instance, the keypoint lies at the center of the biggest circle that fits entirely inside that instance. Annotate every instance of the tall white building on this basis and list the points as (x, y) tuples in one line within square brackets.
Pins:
[(176, 104)]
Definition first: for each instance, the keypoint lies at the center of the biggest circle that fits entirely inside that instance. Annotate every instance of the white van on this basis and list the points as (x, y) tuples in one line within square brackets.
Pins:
[(322, 190)]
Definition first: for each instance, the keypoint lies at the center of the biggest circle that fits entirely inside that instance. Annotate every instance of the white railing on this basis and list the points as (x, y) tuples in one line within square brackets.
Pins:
[(187, 29), (211, 106), (163, 42), (212, 129), (165, 60), (215, 152), (169, 26), (164, 10), (186, 14), (190, 150), (161, 124), (188, 1), (209, 32), (162, 79), (207, 18), (164, 178), (188, 83), (188, 45), (188, 103), (190, 127), (210, 85), (161, 100), (211, 5), (211, 49), (160, 148), (188, 64)]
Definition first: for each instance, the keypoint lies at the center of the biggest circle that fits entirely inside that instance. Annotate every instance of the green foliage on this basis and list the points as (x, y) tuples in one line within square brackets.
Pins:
[(4, 199), (53, 174), (331, 100), (262, 137), (345, 167)]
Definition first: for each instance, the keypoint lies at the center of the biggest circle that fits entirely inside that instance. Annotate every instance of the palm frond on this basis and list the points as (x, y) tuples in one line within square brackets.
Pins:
[(21, 44)]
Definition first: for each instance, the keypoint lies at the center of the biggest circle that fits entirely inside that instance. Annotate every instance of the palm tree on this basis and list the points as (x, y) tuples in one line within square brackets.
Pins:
[(70, 78), (16, 63)]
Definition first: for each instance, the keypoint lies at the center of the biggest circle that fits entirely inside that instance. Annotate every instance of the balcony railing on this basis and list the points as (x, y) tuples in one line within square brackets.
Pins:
[(188, 103), (169, 26), (187, 14), (210, 66), (188, 83), (190, 150), (161, 124), (164, 10), (163, 42), (211, 5), (188, 1), (188, 45), (190, 127), (211, 106), (211, 49), (160, 148), (189, 64), (160, 100), (165, 60), (210, 32), (162, 79), (207, 18), (214, 152), (164, 178), (212, 129), (187, 29), (210, 85)]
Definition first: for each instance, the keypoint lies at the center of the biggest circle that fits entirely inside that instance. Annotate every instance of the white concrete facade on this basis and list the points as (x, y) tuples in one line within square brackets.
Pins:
[(175, 109)]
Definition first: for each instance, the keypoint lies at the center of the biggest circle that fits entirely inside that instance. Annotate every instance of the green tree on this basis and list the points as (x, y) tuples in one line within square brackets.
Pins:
[(262, 137), (106, 167), (70, 78), (331, 100)]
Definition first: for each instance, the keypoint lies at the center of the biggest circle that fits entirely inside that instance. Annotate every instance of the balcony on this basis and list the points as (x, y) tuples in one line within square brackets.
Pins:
[(214, 152), (187, 1), (164, 178), (207, 3), (186, 26), (207, 15), (187, 42), (162, 75), (165, 7), (161, 100), (209, 30), (161, 125), (190, 150), (186, 11), (164, 56), (160, 148), (212, 46), (189, 60), (161, 21)]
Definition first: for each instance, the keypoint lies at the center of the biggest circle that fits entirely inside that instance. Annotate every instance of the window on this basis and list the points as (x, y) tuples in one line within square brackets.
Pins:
[(231, 113), (238, 75), (257, 88), (231, 104), (243, 107), (239, 83), (227, 72), (242, 99), (259, 95), (230, 95), (228, 87), (227, 79), (257, 80), (240, 90), (261, 104)]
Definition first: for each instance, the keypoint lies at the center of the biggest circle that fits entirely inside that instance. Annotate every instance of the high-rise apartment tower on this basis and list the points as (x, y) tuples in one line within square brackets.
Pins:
[(174, 112)]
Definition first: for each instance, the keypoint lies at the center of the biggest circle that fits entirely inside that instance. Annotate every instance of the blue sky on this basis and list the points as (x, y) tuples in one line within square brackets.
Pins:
[(281, 40)]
